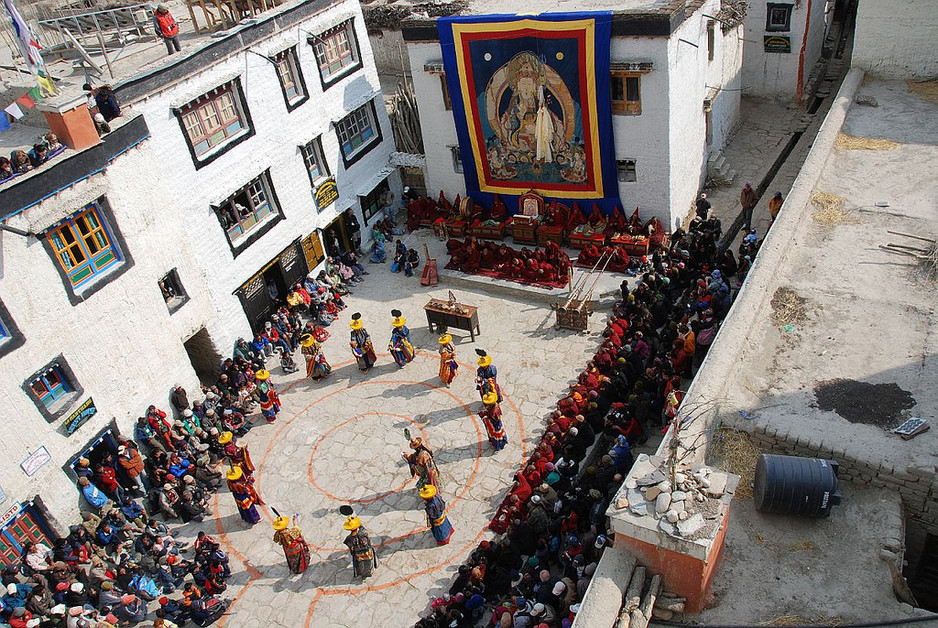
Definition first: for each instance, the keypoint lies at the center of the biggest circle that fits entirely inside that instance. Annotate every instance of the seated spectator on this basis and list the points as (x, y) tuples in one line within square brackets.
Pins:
[(20, 162), (38, 155)]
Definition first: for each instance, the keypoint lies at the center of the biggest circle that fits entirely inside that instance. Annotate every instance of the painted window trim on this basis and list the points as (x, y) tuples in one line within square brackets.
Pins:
[(325, 172), (261, 228), (333, 79), (13, 338), (626, 107), (292, 58), (106, 215), (247, 131), (374, 192), (70, 225), (366, 148), (64, 403), (772, 28)]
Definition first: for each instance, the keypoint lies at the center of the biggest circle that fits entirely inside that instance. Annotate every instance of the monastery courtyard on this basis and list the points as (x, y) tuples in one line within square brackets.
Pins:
[(339, 441)]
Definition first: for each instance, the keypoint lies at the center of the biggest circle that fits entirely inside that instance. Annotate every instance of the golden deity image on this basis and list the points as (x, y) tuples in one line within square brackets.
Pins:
[(533, 122)]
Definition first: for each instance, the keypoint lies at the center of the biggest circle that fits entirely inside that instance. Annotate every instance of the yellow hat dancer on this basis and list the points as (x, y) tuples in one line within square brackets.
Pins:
[(435, 507), (364, 559), (491, 416), (487, 376), (448, 364), (295, 548), (360, 341), (400, 346), (244, 495)]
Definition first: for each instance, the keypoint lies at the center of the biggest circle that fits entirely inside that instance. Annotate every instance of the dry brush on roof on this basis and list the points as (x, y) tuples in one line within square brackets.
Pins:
[(392, 16)]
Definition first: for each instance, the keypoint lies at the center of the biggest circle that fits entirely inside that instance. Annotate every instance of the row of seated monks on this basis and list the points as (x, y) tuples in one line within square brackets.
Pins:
[(550, 266)]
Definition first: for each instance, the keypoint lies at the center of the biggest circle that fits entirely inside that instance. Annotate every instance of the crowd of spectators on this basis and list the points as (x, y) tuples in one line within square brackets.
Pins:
[(21, 161), (552, 527)]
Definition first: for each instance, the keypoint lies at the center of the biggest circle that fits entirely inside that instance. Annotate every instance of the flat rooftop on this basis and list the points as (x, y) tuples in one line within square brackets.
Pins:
[(482, 7), (834, 347)]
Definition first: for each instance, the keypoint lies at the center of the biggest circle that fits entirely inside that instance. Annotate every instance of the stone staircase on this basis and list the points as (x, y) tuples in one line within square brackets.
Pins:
[(719, 170)]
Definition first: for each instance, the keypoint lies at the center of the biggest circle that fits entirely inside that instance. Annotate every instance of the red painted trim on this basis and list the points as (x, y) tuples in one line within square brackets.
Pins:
[(804, 45)]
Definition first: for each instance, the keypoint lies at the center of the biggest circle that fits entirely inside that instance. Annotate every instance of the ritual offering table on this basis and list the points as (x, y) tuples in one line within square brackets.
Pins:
[(633, 245), (455, 228), (523, 230), (491, 231), (452, 315), (546, 233), (579, 239)]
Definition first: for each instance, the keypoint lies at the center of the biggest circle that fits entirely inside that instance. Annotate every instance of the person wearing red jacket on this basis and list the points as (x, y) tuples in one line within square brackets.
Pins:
[(166, 28)]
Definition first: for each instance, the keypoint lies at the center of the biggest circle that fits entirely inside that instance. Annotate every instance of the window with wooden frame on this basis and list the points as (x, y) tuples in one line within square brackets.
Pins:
[(83, 246), (53, 388), (336, 52), (625, 170), (173, 293), (215, 119), (357, 132), (457, 158), (371, 202), (314, 160), (444, 88), (626, 90), (291, 78), (10, 336), (778, 17), (248, 211), (711, 39)]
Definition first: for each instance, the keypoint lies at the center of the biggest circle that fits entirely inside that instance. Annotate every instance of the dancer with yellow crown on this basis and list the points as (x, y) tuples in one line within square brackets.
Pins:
[(491, 415), (295, 548), (364, 559), (448, 364), (400, 346), (435, 507), (360, 341)]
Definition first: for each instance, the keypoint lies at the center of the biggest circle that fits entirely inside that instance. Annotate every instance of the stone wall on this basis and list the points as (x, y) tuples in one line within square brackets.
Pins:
[(916, 485), (896, 38)]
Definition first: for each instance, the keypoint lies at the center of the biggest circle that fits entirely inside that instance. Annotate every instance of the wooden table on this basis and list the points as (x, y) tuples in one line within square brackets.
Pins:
[(523, 230), (442, 317)]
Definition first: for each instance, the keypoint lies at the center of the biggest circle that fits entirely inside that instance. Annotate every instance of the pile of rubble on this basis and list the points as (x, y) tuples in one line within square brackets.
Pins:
[(645, 599), (686, 502)]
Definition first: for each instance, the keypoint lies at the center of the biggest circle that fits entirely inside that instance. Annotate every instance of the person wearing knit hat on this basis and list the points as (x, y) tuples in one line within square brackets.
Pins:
[(487, 376), (400, 345), (437, 520), (295, 548), (491, 416), (360, 342), (448, 364)]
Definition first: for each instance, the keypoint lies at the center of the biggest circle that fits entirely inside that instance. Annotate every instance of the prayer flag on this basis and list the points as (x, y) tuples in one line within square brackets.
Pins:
[(47, 85), (36, 95), (28, 42), (25, 102), (4, 122), (15, 111)]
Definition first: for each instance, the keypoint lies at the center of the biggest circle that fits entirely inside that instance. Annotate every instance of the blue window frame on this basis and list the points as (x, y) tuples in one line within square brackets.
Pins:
[(50, 385), (84, 246)]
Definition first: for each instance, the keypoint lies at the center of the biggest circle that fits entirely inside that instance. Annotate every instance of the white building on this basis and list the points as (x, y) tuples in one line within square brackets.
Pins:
[(675, 98), (259, 118), (784, 40), (896, 38)]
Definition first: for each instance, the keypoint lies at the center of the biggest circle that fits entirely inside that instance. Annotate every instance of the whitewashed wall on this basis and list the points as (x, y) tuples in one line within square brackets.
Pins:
[(278, 134), (644, 137), (775, 75), (897, 38), (123, 346)]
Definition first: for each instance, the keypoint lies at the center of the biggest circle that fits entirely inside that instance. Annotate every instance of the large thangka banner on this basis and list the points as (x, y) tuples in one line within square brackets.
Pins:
[(531, 102)]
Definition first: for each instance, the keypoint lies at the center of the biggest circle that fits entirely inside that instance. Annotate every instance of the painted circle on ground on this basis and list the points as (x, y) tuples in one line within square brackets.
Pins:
[(336, 445)]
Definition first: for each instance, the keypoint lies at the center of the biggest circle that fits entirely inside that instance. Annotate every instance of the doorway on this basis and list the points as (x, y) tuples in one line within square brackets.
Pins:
[(267, 290), (25, 523), (336, 237), (413, 178), (203, 356)]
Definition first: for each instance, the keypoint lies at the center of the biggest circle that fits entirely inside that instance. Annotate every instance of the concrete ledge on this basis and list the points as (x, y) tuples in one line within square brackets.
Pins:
[(603, 597)]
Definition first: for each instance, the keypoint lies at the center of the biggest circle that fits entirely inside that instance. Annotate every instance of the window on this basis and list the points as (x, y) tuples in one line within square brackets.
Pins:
[(711, 39), (291, 79), (216, 119), (371, 202), (172, 291), (316, 165), (625, 170), (53, 388), (83, 246), (626, 93), (250, 211), (447, 103), (10, 336), (457, 158), (336, 52), (357, 133), (778, 17)]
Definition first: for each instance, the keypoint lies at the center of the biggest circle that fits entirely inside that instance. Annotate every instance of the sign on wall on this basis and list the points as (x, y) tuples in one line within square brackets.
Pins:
[(326, 193), (777, 43), (80, 416), (11, 514), (35, 461)]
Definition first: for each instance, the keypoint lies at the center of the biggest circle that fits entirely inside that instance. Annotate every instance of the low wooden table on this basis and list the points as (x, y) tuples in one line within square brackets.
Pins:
[(438, 315), (523, 230)]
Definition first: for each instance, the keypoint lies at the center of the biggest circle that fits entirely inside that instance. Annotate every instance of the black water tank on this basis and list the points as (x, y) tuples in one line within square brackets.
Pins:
[(790, 485)]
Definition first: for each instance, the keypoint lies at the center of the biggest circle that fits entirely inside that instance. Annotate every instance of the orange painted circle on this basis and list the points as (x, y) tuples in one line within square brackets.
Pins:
[(332, 430)]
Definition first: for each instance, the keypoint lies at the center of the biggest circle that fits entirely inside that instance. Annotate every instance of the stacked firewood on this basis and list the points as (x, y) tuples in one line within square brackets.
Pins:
[(645, 599)]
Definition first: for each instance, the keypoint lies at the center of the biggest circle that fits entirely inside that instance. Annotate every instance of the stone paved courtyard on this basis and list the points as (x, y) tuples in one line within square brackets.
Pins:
[(340, 440)]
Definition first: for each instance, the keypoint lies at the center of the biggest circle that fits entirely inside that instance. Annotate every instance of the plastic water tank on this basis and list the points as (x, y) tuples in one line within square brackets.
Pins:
[(791, 485)]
